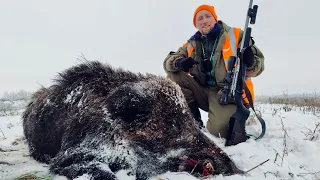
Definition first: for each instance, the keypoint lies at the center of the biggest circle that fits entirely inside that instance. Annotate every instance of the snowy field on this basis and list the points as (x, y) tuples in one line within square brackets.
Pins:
[(291, 144)]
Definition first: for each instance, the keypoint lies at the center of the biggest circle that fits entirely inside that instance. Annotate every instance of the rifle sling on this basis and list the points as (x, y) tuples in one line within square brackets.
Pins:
[(262, 122)]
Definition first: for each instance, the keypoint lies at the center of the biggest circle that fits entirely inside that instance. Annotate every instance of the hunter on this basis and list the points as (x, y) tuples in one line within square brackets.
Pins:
[(199, 68)]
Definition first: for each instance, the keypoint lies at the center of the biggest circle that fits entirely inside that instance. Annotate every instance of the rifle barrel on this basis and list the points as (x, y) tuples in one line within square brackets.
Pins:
[(246, 24)]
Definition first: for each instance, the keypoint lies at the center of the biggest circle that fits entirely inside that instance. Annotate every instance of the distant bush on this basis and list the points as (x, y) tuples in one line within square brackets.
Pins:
[(6, 109), (16, 96), (11, 103), (304, 102)]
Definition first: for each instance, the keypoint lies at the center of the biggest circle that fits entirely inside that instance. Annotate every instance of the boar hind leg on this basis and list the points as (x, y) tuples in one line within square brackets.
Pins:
[(73, 165), (94, 172)]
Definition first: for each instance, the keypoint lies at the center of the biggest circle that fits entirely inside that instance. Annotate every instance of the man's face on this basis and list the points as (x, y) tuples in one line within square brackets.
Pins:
[(205, 21)]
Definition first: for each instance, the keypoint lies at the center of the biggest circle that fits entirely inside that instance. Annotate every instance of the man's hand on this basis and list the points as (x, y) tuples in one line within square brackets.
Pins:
[(248, 56), (186, 63)]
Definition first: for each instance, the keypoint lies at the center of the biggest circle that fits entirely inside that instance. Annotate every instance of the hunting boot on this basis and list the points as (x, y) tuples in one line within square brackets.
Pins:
[(196, 113), (236, 132)]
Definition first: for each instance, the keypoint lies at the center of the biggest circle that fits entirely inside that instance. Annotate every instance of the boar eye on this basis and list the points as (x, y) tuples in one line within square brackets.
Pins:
[(129, 105)]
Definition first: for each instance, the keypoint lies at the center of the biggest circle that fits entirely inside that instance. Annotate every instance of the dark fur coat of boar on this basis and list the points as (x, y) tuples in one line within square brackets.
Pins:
[(97, 120)]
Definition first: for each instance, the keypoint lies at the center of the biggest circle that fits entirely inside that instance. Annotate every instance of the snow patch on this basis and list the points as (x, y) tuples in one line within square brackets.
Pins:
[(125, 175), (71, 97), (122, 149), (301, 161), (83, 177), (172, 153), (48, 102)]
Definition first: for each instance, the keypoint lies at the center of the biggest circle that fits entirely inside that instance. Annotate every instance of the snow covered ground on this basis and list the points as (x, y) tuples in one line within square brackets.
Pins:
[(291, 143)]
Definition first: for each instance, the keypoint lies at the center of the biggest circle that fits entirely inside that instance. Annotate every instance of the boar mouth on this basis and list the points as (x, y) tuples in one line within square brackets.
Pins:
[(201, 165), (207, 159), (198, 168)]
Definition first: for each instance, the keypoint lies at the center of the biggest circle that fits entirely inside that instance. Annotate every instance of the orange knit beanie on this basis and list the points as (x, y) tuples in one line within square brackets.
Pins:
[(204, 7)]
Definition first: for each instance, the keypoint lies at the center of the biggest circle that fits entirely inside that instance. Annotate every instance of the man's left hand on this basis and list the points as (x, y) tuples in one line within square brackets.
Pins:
[(248, 56)]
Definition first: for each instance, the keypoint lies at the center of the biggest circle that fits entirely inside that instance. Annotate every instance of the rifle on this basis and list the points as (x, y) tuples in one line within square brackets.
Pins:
[(234, 86)]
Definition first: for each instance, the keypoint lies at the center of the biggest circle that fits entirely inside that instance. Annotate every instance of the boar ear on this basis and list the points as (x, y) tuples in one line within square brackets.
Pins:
[(129, 104)]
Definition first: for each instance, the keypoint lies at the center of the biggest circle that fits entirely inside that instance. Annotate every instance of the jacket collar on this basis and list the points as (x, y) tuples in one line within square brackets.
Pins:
[(211, 35)]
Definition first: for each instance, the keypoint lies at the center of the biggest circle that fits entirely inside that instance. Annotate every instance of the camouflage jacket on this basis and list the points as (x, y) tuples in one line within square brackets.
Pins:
[(219, 65)]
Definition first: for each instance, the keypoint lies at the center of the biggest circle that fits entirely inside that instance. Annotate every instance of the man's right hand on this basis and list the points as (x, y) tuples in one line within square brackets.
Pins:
[(186, 63)]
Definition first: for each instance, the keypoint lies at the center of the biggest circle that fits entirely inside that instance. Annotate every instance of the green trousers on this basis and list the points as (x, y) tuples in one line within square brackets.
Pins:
[(207, 100)]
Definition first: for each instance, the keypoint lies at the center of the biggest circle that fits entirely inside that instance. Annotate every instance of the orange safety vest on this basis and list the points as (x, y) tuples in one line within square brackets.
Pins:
[(229, 48)]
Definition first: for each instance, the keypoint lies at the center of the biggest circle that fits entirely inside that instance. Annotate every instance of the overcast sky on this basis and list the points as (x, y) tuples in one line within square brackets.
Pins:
[(39, 38)]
